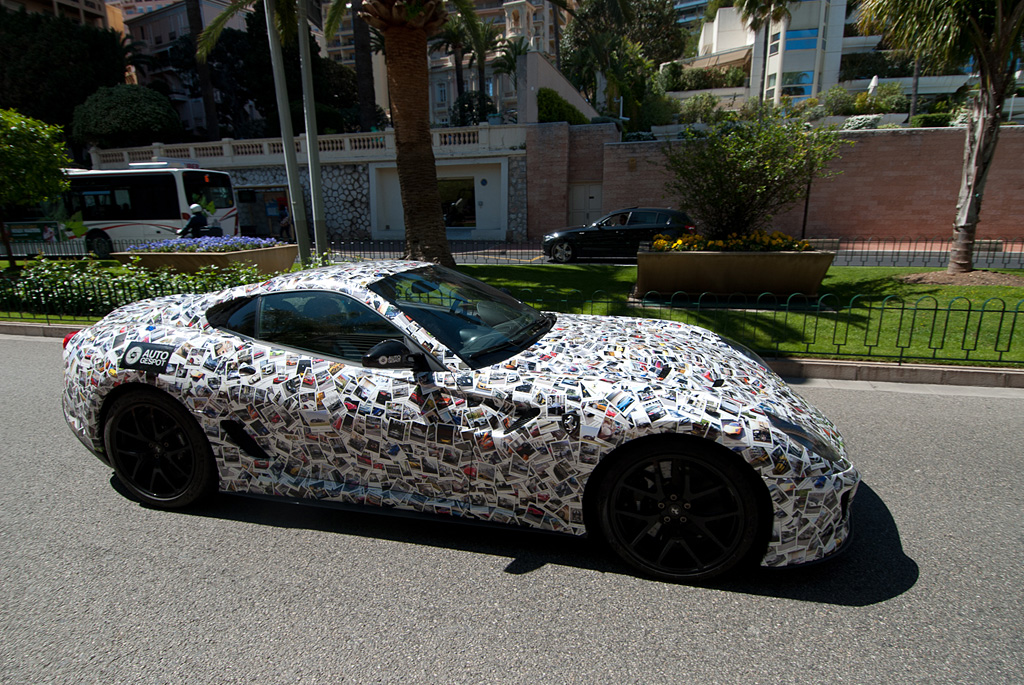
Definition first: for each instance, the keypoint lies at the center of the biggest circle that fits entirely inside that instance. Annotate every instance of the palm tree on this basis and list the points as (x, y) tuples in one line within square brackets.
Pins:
[(364, 68), (195, 28), (763, 13), (508, 61), (483, 39), (405, 27), (991, 32), (453, 39)]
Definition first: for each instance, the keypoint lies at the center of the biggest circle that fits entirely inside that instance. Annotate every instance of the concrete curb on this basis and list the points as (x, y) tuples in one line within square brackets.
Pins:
[(831, 369)]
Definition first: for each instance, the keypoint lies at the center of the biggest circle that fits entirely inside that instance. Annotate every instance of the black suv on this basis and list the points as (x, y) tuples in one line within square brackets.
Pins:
[(616, 235)]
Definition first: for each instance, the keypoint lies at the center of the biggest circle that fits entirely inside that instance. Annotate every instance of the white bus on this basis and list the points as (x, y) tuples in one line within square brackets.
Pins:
[(105, 211)]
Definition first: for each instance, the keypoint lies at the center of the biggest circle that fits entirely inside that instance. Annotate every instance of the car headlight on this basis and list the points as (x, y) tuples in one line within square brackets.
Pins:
[(808, 438)]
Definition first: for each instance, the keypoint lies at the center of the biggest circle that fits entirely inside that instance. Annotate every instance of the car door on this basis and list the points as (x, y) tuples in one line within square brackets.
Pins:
[(642, 226), (604, 240), (341, 430)]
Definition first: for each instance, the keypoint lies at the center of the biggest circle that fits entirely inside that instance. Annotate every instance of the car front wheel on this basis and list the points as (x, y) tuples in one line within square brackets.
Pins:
[(158, 451), (562, 252), (679, 512)]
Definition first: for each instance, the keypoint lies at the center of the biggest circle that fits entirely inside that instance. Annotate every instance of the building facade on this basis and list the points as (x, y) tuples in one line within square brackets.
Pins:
[(88, 12), (805, 52), (156, 30)]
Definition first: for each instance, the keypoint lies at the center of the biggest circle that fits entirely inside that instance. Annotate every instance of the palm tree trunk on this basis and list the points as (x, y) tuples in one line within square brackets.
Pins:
[(195, 27), (364, 69), (425, 236), (460, 81), (979, 146)]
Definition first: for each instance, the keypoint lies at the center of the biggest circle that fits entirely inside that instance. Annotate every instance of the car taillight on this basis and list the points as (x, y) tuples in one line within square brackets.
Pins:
[(68, 337)]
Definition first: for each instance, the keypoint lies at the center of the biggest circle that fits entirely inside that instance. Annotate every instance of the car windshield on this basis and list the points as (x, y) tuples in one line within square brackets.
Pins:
[(479, 323)]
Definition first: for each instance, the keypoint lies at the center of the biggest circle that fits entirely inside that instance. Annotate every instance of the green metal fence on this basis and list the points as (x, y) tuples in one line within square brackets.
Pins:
[(863, 327)]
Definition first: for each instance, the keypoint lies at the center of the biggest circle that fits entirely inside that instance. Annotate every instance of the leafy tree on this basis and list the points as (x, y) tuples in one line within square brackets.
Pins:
[(363, 54), (991, 32), (48, 65), (32, 162), (736, 176), (227, 65), (126, 116)]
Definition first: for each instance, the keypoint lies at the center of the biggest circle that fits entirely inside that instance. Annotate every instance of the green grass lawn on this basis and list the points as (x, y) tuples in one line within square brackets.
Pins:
[(861, 313)]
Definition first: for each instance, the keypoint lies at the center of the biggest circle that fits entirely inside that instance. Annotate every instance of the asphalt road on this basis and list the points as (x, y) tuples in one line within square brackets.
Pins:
[(96, 588)]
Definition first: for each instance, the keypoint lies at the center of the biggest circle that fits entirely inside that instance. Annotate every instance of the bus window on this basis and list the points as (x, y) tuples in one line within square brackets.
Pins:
[(209, 187), (134, 197)]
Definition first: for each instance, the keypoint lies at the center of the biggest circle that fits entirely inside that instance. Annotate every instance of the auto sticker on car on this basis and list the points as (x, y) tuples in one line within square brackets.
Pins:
[(147, 357)]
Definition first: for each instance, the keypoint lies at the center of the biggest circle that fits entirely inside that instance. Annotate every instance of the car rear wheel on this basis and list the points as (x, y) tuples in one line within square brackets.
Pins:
[(679, 512), (563, 252), (158, 451)]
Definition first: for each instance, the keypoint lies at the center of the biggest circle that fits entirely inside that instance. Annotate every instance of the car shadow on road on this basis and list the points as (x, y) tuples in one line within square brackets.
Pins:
[(872, 569)]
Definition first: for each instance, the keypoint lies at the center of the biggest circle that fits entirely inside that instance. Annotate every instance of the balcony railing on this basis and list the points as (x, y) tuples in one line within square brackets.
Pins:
[(350, 147)]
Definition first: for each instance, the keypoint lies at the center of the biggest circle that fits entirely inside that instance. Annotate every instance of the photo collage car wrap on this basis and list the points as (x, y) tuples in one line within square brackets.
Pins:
[(511, 443)]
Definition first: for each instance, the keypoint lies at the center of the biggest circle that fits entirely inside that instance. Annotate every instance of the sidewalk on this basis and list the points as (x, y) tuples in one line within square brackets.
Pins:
[(831, 369)]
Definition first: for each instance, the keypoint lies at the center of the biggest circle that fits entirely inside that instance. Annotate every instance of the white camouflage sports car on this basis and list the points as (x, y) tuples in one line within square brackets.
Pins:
[(409, 386)]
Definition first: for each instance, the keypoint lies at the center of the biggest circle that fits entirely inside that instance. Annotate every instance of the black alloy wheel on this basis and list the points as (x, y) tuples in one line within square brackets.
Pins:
[(563, 252), (158, 450), (679, 513)]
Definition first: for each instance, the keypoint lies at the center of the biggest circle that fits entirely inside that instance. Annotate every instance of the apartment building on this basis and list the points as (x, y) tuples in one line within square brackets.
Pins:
[(805, 52), (88, 12), (156, 30)]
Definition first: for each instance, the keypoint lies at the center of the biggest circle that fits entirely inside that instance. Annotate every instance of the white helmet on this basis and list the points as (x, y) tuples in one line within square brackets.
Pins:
[(195, 209)]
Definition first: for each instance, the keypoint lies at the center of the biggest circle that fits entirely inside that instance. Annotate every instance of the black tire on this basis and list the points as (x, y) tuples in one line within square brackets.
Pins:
[(158, 451), (99, 244), (678, 511), (563, 252)]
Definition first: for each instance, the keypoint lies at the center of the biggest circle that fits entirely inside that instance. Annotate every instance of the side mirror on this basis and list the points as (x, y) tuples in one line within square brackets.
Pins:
[(393, 354)]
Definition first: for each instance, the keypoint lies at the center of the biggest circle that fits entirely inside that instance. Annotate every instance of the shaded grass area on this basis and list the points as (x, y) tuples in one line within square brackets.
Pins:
[(862, 313)]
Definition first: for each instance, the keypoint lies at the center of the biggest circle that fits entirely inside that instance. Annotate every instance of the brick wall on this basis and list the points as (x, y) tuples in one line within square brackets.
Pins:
[(547, 173), (893, 183)]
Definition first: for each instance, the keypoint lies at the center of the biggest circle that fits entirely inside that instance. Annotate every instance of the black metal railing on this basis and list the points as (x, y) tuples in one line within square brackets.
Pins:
[(999, 253)]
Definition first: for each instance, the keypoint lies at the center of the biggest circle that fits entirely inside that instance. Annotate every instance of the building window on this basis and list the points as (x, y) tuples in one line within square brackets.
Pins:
[(442, 92), (490, 86), (171, 35), (797, 83), (773, 48), (804, 39)]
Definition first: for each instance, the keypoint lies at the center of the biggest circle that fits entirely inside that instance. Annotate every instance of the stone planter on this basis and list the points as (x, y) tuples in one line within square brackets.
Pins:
[(751, 273), (266, 259)]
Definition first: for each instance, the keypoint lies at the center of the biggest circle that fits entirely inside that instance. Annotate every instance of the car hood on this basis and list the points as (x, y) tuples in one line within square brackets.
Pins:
[(678, 366)]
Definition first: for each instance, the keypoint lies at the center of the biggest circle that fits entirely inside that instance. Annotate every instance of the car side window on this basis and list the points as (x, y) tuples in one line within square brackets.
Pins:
[(324, 323), (642, 218), (237, 316)]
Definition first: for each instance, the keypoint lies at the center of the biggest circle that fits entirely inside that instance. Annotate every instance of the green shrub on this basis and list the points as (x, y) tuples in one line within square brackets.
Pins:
[(838, 101), (862, 122), (677, 78), (553, 107), (935, 120)]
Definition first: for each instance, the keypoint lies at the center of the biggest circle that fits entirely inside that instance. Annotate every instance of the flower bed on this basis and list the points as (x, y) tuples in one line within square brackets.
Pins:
[(189, 255)]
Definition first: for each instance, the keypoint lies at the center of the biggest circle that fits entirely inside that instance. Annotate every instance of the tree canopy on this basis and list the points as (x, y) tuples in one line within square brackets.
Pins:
[(126, 116), (991, 34), (49, 65), (32, 162)]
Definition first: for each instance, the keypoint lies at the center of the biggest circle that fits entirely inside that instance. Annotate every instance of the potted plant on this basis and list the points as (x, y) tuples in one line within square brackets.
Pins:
[(189, 255), (731, 178)]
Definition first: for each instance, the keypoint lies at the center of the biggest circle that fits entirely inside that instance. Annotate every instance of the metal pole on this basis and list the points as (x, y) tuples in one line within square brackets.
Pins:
[(316, 193), (291, 164)]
